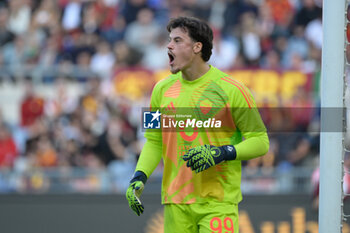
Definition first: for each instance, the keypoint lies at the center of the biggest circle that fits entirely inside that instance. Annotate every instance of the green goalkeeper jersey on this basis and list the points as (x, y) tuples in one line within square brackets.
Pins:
[(227, 113)]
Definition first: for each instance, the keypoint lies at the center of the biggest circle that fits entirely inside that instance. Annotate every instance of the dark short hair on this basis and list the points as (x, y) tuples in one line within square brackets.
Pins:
[(198, 30)]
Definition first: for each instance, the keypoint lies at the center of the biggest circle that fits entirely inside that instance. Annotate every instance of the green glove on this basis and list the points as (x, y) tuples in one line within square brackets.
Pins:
[(201, 158), (134, 192)]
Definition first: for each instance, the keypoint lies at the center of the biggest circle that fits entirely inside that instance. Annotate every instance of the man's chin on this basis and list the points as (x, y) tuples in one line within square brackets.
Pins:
[(174, 71)]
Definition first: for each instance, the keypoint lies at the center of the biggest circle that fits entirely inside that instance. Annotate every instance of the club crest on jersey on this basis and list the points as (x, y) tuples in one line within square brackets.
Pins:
[(205, 106)]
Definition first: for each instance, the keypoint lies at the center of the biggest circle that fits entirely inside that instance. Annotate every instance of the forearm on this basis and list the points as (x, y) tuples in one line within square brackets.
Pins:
[(201, 158), (252, 147), (148, 161), (150, 157)]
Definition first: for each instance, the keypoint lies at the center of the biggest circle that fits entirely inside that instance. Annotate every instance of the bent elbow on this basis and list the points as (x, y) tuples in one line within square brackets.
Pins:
[(265, 145)]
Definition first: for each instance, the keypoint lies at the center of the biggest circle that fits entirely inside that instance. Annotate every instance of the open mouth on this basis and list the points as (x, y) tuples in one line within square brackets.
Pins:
[(171, 58)]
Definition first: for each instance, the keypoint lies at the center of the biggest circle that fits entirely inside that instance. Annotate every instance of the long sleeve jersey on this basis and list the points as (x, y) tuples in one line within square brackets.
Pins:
[(227, 114)]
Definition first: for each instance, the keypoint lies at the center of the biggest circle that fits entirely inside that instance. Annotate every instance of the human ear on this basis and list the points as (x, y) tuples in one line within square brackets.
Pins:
[(197, 47)]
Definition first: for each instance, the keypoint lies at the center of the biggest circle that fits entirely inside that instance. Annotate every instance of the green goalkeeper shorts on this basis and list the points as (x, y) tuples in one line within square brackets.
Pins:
[(213, 217)]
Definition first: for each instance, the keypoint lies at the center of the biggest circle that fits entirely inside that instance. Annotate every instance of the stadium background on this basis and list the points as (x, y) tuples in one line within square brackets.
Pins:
[(74, 76)]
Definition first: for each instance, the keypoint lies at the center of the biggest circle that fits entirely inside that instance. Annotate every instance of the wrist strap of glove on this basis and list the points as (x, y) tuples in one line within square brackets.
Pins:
[(139, 176), (229, 152)]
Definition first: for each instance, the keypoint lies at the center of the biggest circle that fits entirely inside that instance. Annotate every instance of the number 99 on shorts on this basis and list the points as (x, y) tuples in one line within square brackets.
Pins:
[(219, 226)]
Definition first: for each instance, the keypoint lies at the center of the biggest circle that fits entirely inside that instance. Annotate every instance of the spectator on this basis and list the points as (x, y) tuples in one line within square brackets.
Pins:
[(281, 12), (34, 38), (14, 53), (131, 8), (280, 45), (71, 18), (308, 12), (71, 154), (20, 16), (105, 13), (250, 39), (225, 51), (8, 148), (315, 182), (296, 44), (112, 149), (49, 53), (5, 34), (32, 106), (266, 26), (144, 27), (45, 153), (109, 146), (155, 55), (271, 60), (216, 17), (301, 110), (313, 32), (74, 40), (103, 60), (83, 61), (232, 13), (121, 51), (90, 20), (116, 32), (46, 15)]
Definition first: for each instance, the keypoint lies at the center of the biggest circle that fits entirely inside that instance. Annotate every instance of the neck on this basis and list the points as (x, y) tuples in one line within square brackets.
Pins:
[(195, 71)]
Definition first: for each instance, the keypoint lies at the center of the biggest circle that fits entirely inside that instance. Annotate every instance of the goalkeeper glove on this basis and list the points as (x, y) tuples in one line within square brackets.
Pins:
[(202, 157), (134, 192)]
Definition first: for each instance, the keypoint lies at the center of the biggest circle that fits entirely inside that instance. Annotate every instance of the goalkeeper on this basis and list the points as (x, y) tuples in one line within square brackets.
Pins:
[(202, 168)]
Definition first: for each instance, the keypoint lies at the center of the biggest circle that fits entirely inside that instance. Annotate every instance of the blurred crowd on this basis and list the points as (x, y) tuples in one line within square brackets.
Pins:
[(98, 129), (104, 35)]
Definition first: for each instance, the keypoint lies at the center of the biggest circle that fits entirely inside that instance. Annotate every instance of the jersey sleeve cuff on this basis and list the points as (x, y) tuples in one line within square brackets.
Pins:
[(139, 176)]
